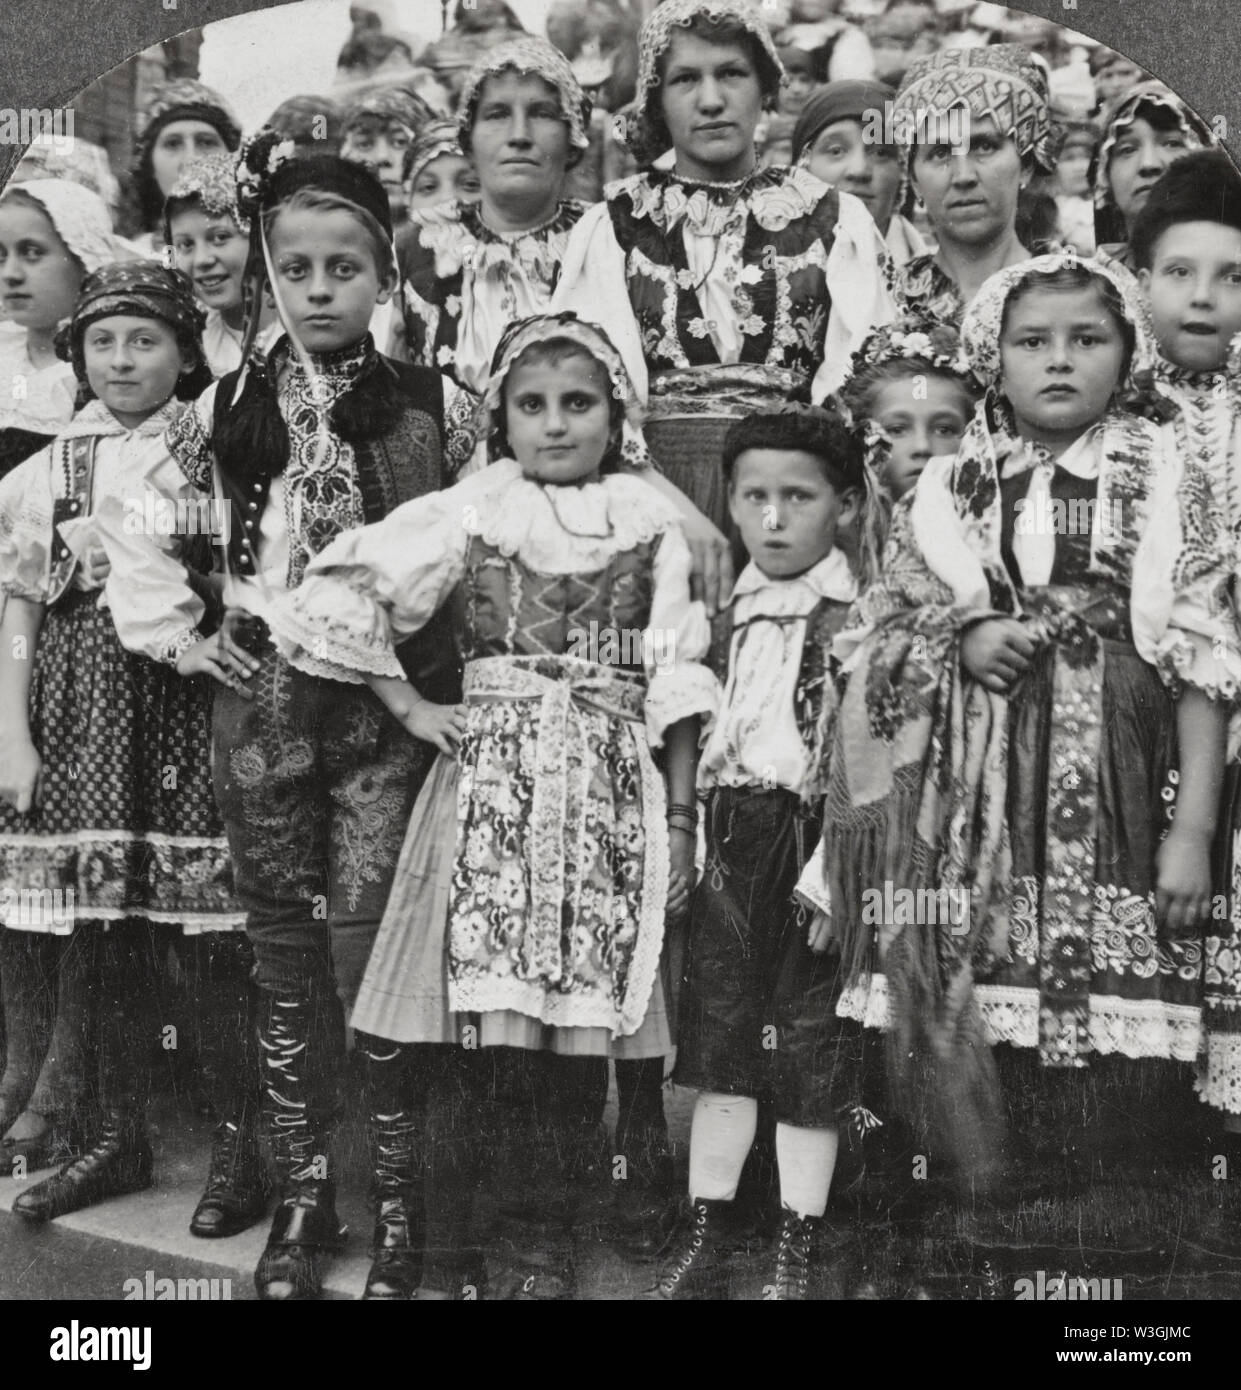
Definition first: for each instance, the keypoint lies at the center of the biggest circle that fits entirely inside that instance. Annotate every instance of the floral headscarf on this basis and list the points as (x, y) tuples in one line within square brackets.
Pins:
[(212, 183), (80, 217), (544, 328), (538, 58), (643, 129), (1002, 82), (980, 331), (1124, 111)]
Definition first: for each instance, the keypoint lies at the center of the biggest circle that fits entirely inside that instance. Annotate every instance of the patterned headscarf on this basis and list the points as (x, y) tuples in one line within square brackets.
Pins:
[(644, 129), (143, 289), (183, 99), (1002, 82), (537, 57), (386, 106), (438, 138), (544, 328), (1126, 109), (80, 217), (980, 330), (212, 183)]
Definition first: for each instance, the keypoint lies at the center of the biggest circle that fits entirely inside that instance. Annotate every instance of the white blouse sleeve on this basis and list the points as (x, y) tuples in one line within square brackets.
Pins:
[(592, 283), (372, 587), (674, 644), (1185, 620), (858, 289), (26, 528), (154, 608)]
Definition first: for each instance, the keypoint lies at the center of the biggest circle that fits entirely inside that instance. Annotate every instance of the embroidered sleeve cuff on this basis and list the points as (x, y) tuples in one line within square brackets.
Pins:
[(1209, 664), (689, 689), (328, 629), (177, 646)]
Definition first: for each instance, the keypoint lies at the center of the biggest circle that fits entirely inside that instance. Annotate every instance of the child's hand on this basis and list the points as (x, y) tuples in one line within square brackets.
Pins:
[(442, 725), (820, 932), (997, 652), (20, 767), (1183, 882), (223, 660), (94, 569), (681, 846)]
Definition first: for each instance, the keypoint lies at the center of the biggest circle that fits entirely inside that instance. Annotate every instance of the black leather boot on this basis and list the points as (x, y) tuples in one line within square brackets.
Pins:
[(396, 1246), (694, 1267), (238, 1186), (119, 1161), (794, 1247), (305, 1228)]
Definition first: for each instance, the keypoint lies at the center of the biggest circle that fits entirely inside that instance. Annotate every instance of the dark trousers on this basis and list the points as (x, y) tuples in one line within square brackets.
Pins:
[(315, 782)]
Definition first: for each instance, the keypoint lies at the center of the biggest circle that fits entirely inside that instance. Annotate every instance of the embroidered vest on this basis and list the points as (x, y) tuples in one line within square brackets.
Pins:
[(77, 458), (810, 694), (506, 608), (396, 467)]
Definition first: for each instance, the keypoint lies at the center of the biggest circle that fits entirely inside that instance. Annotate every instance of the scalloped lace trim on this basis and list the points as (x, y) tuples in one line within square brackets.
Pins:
[(1218, 1082), (1131, 1027)]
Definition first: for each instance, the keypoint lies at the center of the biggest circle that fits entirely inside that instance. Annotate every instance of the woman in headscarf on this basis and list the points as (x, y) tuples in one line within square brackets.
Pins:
[(834, 139), (469, 270), (1145, 129), (976, 124), (727, 287), (182, 120)]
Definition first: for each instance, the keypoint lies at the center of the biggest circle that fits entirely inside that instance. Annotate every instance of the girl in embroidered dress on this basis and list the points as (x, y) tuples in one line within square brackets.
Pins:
[(314, 780), (210, 239), (1001, 745), (727, 288), (1186, 247), (52, 234), (529, 904), (109, 833)]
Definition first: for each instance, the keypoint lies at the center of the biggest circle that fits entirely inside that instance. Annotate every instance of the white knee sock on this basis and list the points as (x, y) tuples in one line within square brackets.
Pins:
[(806, 1159), (720, 1139)]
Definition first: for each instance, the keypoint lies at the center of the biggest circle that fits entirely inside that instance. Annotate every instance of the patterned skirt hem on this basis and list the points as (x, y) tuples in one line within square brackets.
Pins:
[(1135, 1028)]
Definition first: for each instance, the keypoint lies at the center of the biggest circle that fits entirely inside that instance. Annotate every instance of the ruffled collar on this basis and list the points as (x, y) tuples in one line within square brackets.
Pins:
[(774, 197), (558, 526), (832, 578), (457, 235), (96, 419)]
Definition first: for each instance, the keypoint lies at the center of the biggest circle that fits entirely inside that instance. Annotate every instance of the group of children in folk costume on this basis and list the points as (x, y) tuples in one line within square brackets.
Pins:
[(1001, 727)]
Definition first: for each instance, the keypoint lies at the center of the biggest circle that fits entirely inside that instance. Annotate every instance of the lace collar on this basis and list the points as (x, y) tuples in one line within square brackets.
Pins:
[(774, 197)]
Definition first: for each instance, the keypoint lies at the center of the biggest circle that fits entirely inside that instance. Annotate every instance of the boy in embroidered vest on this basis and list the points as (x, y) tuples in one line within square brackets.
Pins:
[(758, 1018), (314, 779)]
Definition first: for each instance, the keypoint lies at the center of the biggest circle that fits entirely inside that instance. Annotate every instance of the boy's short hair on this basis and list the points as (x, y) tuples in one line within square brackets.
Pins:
[(806, 429), (1202, 186)]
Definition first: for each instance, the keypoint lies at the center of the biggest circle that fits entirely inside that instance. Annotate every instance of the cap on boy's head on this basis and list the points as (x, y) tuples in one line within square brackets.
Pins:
[(269, 171), (807, 429), (1202, 186)]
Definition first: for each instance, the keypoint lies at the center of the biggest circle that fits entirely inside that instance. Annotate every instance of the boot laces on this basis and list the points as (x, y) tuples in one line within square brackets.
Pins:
[(690, 1249), (793, 1257)]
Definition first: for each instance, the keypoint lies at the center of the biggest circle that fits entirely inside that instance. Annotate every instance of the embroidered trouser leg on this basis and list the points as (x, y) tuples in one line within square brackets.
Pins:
[(315, 781)]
